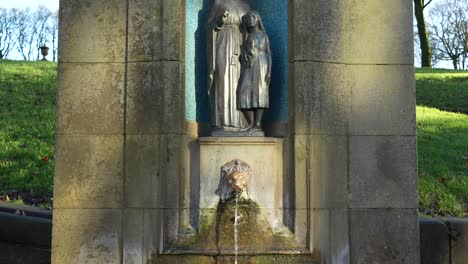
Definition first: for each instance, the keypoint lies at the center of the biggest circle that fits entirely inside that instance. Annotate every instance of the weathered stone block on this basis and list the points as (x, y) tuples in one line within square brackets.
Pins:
[(458, 239), (190, 180), (378, 32), (87, 236), (170, 75), (268, 259), (317, 30), (330, 235), (383, 172), (328, 171), (90, 98), (383, 100), (321, 99), (144, 34), (384, 236), (339, 236), (142, 171), (300, 171), (88, 171), (320, 236), (141, 235), (302, 228), (144, 92), (92, 31), (435, 246), (172, 168), (184, 259), (173, 30)]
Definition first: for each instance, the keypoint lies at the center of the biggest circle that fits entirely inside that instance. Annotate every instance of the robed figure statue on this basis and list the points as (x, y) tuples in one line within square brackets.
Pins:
[(252, 90), (225, 36)]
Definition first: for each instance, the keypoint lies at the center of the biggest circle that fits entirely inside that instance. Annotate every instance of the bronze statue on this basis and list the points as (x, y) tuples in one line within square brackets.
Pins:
[(224, 39), (252, 90)]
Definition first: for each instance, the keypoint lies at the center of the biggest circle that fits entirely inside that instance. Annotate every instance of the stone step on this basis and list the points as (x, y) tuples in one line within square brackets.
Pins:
[(259, 259)]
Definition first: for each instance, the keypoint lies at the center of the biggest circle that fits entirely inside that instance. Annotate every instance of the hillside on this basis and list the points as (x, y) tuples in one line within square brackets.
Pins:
[(27, 131)]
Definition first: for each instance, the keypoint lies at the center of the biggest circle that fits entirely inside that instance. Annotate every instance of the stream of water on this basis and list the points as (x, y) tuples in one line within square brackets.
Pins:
[(236, 234)]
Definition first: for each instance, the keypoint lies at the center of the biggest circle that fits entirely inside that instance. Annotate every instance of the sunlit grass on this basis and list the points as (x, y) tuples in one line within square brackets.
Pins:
[(443, 160), (27, 130)]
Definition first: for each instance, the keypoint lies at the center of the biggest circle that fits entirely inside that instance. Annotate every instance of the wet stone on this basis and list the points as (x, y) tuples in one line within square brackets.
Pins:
[(216, 235)]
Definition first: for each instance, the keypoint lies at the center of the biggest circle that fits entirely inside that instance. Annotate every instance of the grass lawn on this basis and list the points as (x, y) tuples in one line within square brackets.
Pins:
[(442, 141), (27, 131), (442, 89), (27, 124)]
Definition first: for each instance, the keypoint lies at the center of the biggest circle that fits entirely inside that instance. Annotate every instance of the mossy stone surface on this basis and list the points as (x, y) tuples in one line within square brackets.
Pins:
[(255, 235)]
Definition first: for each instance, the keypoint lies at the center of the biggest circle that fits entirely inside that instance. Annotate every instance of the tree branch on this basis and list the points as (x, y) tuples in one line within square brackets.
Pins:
[(424, 5)]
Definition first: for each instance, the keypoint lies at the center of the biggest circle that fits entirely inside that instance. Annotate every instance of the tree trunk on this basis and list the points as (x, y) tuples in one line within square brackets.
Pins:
[(455, 63), (426, 53)]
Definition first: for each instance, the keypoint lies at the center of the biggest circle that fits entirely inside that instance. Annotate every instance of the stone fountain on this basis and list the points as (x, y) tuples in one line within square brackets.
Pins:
[(148, 166)]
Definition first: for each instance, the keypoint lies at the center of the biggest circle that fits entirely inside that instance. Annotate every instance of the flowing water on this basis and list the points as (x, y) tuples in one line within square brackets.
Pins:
[(236, 233)]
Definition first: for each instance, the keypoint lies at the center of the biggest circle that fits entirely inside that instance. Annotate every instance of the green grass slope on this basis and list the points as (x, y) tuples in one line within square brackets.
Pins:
[(27, 131), (442, 141), (442, 89)]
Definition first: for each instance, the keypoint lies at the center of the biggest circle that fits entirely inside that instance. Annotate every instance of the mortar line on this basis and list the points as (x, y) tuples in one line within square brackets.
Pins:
[(348, 187), (308, 181), (124, 173)]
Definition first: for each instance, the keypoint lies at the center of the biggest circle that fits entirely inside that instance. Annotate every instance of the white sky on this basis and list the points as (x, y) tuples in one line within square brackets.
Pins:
[(53, 5)]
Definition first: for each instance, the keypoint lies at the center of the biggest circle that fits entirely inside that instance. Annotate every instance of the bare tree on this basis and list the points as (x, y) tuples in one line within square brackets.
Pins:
[(27, 31), (41, 20), (24, 32), (449, 18), (53, 32), (424, 43), (32, 28), (8, 26), (462, 31)]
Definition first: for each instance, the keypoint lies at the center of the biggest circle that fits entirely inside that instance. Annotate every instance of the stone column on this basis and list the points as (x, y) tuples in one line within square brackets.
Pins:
[(120, 111), (352, 124)]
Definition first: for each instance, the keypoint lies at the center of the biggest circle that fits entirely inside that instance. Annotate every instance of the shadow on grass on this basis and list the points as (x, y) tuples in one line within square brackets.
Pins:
[(445, 92)]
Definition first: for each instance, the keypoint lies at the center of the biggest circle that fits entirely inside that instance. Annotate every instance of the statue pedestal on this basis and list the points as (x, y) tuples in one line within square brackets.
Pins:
[(237, 133)]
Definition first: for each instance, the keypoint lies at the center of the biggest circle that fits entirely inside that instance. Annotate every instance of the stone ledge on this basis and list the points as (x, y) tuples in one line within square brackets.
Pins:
[(25, 230), (238, 140), (24, 254), (25, 210), (458, 230), (259, 259), (434, 237)]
